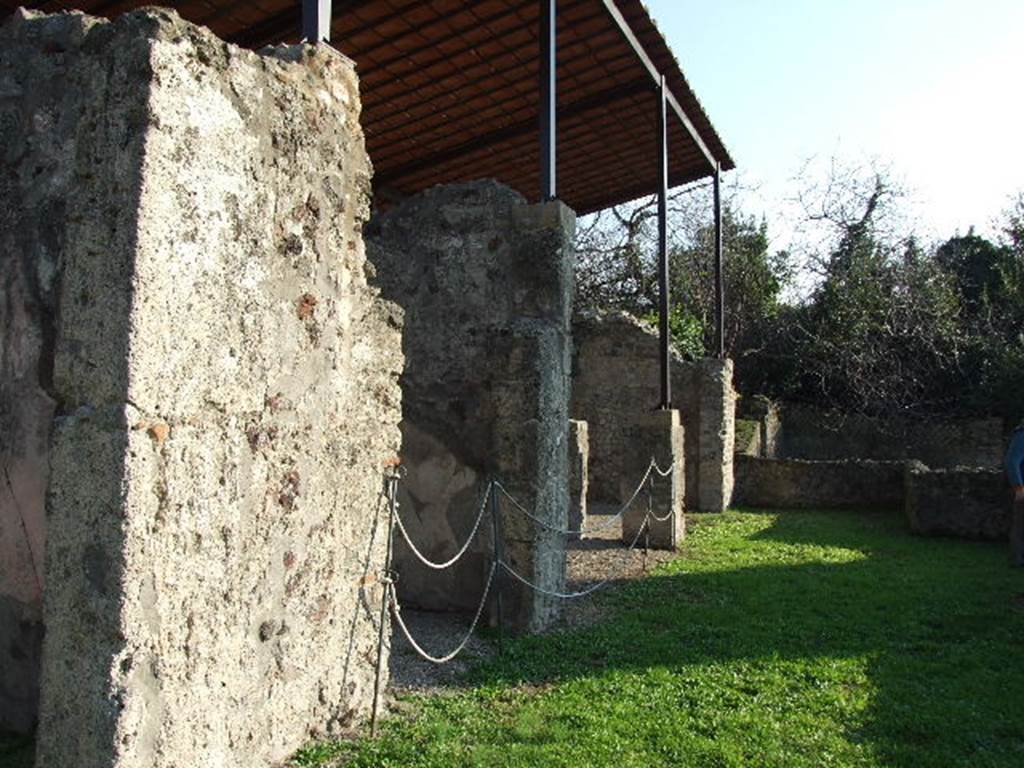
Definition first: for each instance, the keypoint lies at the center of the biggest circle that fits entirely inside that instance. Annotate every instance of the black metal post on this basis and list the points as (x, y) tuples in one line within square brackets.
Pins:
[(496, 527), (647, 520), (663, 298), (316, 20), (392, 491), (548, 101), (719, 278)]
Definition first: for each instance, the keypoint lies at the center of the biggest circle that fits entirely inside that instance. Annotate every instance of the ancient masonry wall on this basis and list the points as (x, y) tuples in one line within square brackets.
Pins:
[(486, 284), (803, 484), (802, 432), (579, 464), (180, 242), (615, 382), (971, 503)]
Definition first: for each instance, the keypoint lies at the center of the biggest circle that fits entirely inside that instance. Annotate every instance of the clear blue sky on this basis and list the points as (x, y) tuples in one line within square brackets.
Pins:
[(934, 88)]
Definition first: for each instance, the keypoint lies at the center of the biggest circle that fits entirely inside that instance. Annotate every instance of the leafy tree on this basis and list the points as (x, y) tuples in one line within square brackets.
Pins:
[(617, 268), (888, 326)]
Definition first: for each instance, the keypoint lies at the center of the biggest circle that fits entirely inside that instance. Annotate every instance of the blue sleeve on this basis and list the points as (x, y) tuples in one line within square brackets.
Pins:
[(1015, 458)]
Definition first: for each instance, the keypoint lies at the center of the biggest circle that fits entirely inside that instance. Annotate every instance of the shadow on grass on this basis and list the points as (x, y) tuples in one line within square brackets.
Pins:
[(936, 624), (16, 751)]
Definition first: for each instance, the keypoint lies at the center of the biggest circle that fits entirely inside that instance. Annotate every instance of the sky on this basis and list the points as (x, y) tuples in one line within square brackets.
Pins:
[(931, 89)]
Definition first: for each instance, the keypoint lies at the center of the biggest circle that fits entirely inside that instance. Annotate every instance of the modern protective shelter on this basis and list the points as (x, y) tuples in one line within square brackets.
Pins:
[(556, 98), (579, 100)]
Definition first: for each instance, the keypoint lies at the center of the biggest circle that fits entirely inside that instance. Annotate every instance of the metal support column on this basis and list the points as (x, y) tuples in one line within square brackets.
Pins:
[(548, 101), (387, 584), (719, 278), (316, 21), (499, 555), (663, 298)]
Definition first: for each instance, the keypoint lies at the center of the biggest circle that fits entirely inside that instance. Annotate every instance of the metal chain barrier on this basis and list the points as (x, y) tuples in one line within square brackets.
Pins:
[(390, 597), (396, 611), (465, 547), (659, 470), (582, 532), (583, 593), (672, 499)]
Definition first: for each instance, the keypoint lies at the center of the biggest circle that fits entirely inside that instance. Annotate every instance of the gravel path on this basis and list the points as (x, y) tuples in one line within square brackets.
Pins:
[(587, 561)]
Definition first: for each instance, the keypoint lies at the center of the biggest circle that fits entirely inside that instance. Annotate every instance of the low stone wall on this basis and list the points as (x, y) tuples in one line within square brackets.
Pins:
[(486, 284), (615, 383), (963, 502), (809, 433), (180, 243), (800, 484)]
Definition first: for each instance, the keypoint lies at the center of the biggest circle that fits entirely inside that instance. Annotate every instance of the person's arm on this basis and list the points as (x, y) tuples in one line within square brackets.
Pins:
[(1015, 463)]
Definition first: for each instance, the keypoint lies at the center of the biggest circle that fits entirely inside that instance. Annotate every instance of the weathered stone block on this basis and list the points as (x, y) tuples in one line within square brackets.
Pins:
[(800, 484), (486, 284), (579, 452), (226, 380), (811, 433), (716, 413), (658, 435), (963, 502), (616, 380)]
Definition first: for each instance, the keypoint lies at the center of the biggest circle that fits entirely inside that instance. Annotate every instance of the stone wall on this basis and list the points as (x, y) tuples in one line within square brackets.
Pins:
[(748, 437), (809, 433), (964, 502), (181, 240), (657, 512), (579, 481), (762, 415), (486, 283), (801, 484), (615, 382)]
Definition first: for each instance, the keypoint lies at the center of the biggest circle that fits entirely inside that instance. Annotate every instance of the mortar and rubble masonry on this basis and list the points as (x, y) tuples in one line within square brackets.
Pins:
[(615, 384), (486, 283), (199, 373)]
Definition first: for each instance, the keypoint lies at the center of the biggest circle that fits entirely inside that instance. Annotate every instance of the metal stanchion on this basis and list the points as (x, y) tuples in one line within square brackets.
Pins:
[(498, 554), (391, 483), (647, 518)]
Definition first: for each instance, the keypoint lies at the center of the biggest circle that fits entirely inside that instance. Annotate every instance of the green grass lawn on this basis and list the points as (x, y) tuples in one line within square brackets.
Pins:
[(794, 639), (15, 751)]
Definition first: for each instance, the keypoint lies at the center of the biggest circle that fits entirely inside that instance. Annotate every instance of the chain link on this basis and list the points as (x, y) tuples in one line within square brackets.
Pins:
[(458, 555), (396, 610), (582, 532), (663, 473), (582, 593), (389, 579)]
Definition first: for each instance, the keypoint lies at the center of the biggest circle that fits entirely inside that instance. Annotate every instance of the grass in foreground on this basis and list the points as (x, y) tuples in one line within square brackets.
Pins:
[(794, 639), (15, 751)]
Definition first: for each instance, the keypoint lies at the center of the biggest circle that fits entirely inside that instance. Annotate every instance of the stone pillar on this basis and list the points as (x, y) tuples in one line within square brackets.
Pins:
[(657, 434), (717, 421), (766, 413), (486, 284), (226, 384), (579, 450)]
